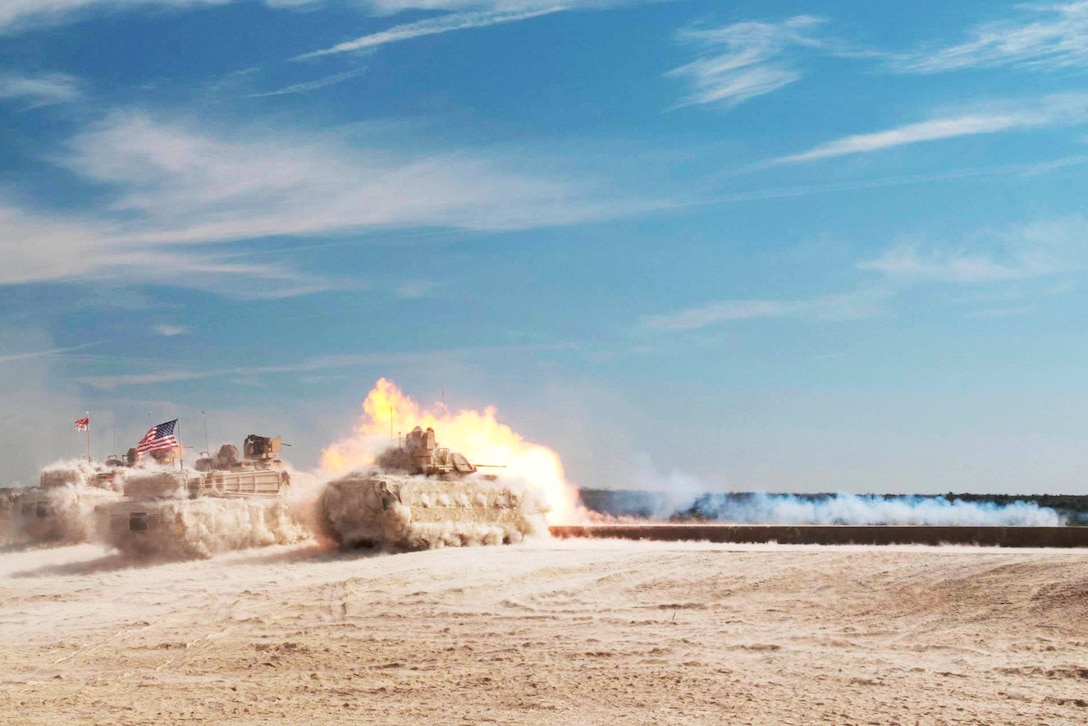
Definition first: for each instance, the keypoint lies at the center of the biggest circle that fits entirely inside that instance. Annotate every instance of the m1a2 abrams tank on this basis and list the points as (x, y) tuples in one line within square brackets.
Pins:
[(59, 510), (9, 513), (228, 502), (421, 496)]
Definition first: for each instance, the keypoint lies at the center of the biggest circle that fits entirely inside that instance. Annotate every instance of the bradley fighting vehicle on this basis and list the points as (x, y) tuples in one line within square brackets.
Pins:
[(422, 496), (227, 502), (59, 509)]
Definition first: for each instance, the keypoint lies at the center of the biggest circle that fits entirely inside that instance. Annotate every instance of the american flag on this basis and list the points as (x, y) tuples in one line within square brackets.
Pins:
[(158, 437), (83, 423)]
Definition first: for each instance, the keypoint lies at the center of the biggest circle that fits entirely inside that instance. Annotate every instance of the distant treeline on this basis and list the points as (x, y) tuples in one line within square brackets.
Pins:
[(663, 505)]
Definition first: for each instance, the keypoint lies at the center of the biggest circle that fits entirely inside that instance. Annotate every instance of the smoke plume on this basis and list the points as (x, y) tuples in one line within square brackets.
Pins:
[(759, 508), (200, 528), (61, 510), (477, 434)]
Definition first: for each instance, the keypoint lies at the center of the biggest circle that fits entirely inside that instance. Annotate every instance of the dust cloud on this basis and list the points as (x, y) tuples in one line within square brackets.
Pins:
[(858, 509), (409, 513)]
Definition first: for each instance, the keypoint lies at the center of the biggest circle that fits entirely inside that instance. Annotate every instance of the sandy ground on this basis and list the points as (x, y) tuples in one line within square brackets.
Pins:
[(574, 632)]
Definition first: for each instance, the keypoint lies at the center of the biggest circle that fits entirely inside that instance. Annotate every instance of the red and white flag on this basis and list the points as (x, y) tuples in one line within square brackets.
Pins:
[(158, 438), (83, 423)]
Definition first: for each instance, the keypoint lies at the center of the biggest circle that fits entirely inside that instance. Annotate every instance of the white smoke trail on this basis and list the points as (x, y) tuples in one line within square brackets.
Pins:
[(843, 508), (679, 495)]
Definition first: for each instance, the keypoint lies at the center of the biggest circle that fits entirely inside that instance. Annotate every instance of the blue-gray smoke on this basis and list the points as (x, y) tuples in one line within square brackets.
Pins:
[(759, 508)]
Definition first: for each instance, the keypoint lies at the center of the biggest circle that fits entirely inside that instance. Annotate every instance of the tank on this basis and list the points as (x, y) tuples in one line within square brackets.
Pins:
[(60, 509), (9, 511), (225, 502), (422, 496)]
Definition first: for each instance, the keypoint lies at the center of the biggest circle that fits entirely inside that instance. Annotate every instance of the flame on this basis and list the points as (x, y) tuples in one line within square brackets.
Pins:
[(477, 434)]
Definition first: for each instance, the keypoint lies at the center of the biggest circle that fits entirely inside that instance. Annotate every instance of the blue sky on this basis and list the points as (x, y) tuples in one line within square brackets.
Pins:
[(773, 246)]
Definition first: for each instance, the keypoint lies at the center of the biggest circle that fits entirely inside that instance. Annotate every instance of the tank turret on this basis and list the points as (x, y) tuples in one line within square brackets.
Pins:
[(263, 449), (420, 455)]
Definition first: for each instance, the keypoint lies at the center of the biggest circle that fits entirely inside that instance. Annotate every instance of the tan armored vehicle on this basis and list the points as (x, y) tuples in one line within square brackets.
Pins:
[(422, 496), (9, 511), (60, 508), (227, 502)]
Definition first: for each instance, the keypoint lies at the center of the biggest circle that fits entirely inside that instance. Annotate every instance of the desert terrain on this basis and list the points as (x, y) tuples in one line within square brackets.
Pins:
[(548, 632)]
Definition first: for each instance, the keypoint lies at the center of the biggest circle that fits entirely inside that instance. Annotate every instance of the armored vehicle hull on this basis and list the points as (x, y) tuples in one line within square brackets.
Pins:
[(416, 512), (423, 496), (184, 515), (60, 509)]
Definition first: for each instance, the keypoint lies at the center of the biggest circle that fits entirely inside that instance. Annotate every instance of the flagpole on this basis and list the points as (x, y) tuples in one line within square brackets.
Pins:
[(89, 436)]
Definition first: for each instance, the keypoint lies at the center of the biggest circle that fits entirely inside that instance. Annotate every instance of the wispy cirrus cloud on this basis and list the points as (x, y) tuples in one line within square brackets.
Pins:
[(194, 184), (167, 374), (178, 188), (19, 14), (435, 26), (741, 61), (864, 303), (13, 357), (47, 246), (416, 289), (170, 331), (40, 90), (1063, 109), (309, 86), (1042, 37), (1029, 260), (1040, 249), (391, 7), (909, 263)]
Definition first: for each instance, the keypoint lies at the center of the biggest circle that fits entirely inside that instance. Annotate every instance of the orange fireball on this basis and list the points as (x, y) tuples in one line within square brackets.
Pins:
[(477, 434)]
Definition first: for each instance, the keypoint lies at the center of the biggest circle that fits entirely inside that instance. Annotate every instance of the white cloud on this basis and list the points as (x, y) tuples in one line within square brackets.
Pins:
[(13, 357), (1045, 37), (18, 14), (40, 246), (416, 289), (178, 187), (169, 331), (36, 247), (1044, 251), (435, 26), (194, 185), (39, 402), (741, 61), (390, 7), (311, 85), (1040, 249), (908, 263), (866, 303), (426, 358), (1064, 109), (40, 90)]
